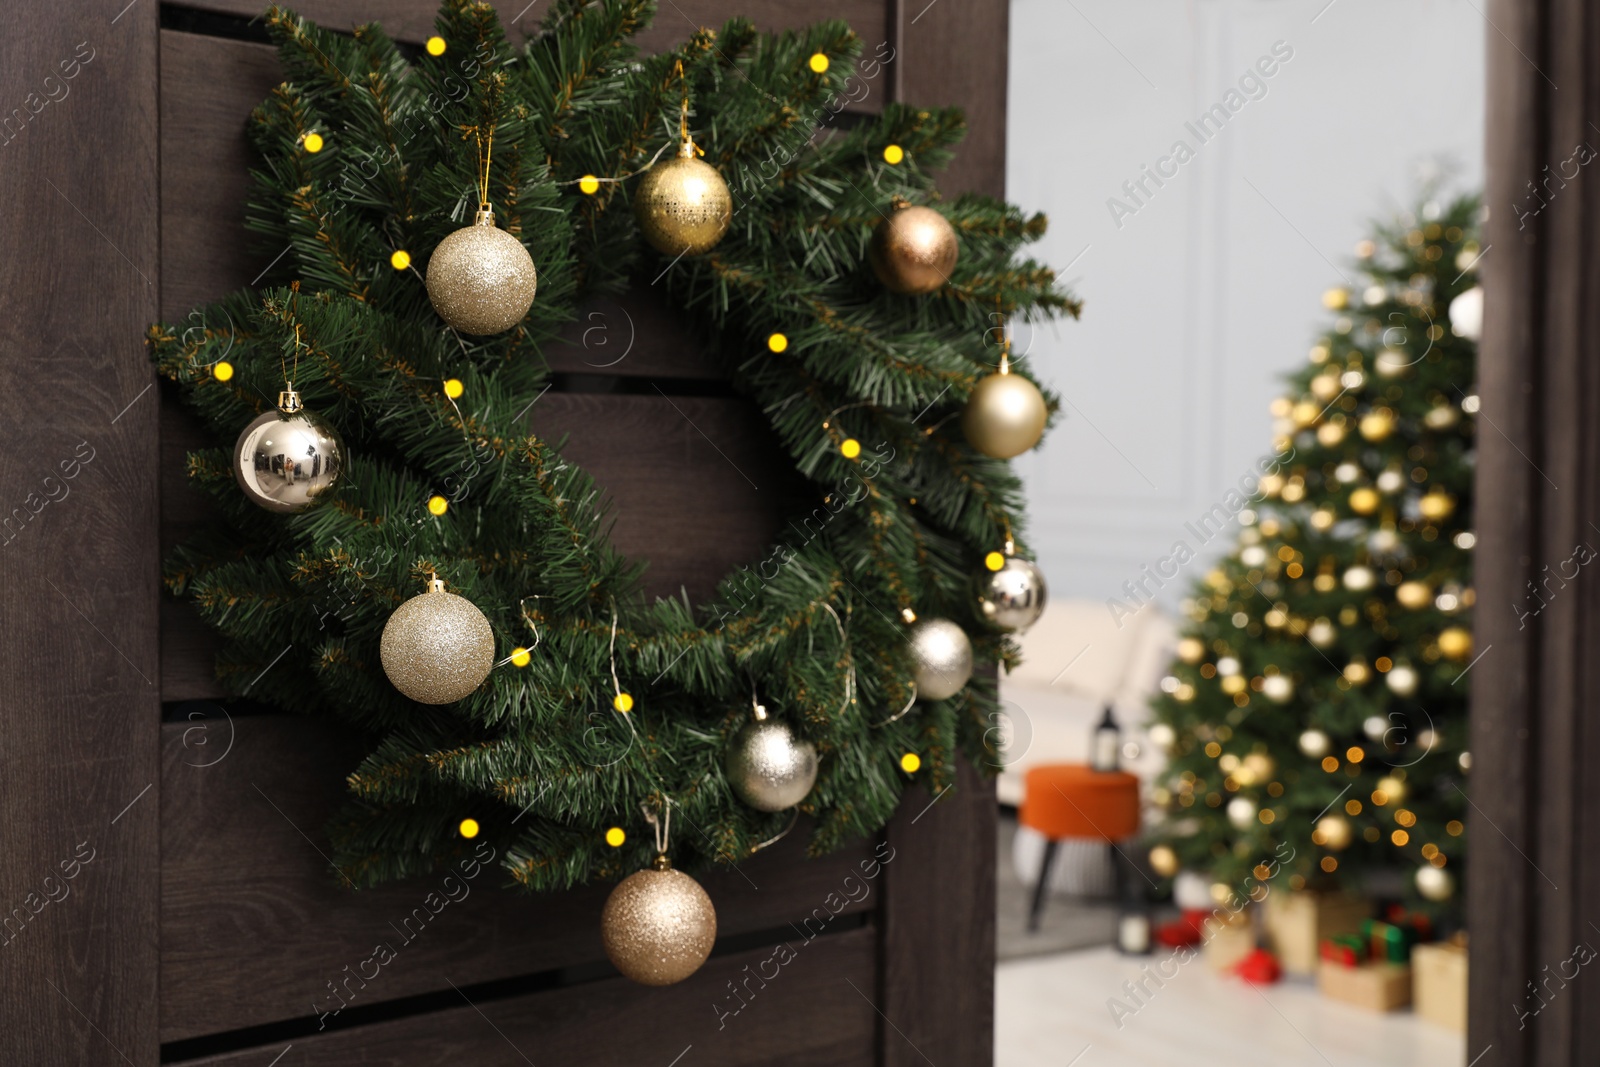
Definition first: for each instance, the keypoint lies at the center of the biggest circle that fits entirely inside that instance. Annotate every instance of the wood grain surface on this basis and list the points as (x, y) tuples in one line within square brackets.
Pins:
[(811, 1013), (80, 708), (254, 923)]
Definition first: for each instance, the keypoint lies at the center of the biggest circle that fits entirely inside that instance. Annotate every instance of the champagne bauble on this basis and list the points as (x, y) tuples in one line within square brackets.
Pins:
[(682, 204), (658, 926), (1435, 883), (941, 657), (1333, 832), (913, 249), (288, 460), (769, 767), (1005, 415), (1013, 597), (437, 647), (1466, 314), (481, 279)]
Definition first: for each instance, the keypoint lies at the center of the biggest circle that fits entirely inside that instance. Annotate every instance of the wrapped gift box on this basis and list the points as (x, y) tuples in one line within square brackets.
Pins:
[(1374, 986), (1440, 985), (1298, 923), (1228, 939)]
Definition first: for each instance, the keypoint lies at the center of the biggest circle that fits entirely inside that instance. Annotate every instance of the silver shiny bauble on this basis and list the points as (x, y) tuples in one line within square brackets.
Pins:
[(769, 767), (658, 926), (437, 647), (1013, 597), (481, 279), (1277, 687), (941, 658), (288, 462), (1402, 680), (1005, 415), (1435, 883), (683, 205)]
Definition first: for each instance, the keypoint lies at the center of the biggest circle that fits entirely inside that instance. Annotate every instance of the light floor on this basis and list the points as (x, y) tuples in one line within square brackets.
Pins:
[(1051, 1011)]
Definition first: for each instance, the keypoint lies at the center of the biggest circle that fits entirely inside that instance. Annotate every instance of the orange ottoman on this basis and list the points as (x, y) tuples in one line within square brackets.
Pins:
[(1072, 800)]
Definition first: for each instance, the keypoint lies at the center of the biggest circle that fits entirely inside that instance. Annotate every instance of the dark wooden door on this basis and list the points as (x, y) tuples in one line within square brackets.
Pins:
[(163, 897)]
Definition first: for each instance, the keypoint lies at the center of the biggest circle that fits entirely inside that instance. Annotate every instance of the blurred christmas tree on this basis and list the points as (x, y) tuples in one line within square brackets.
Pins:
[(1315, 725)]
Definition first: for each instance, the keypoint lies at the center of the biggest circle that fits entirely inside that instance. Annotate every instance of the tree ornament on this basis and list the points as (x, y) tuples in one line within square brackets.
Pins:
[(1191, 650), (1436, 505), (1314, 743), (1435, 883), (1392, 788), (1390, 363), (1441, 416), (768, 766), (941, 657), (1364, 501), (1332, 832), (1455, 643), (1013, 597), (1359, 579), (682, 204), (1242, 813), (1005, 415), (1164, 861), (437, 647), (1321, 633), (1375, 727), (1377, 425), (1413, 594), (1278, 688), (481, 279), (658, 925), (1402, 680), (1466, 314), (913, 250), (288, 460)]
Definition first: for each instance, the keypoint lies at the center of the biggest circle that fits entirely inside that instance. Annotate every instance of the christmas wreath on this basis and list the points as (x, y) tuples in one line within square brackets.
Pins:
[(407, 556)]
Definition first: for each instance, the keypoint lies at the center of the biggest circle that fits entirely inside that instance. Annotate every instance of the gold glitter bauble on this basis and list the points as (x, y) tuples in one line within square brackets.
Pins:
[(1333, 832), (480, 278), (1364, 501), (683, 205), (288, 461), (1005, 416), (1164, 861), (1377, 425), (437, 647), (1455, 643), (914, 250), (941, 658), (769, 767), (658, 925)]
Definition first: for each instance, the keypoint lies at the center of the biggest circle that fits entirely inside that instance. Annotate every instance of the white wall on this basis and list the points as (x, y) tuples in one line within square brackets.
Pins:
[(1204, 297)]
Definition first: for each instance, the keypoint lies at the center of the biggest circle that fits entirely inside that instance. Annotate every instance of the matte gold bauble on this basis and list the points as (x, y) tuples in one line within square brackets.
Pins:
[(941, 658), (769, 767), (1332, 832), (1005, 415), (1364, 501), (1436, 505), (658, 926), (1455, 643), (1414, 595), (1164, 861), (437, 647), (288, 460), (913, 250), (683, 205), (480, 278)]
